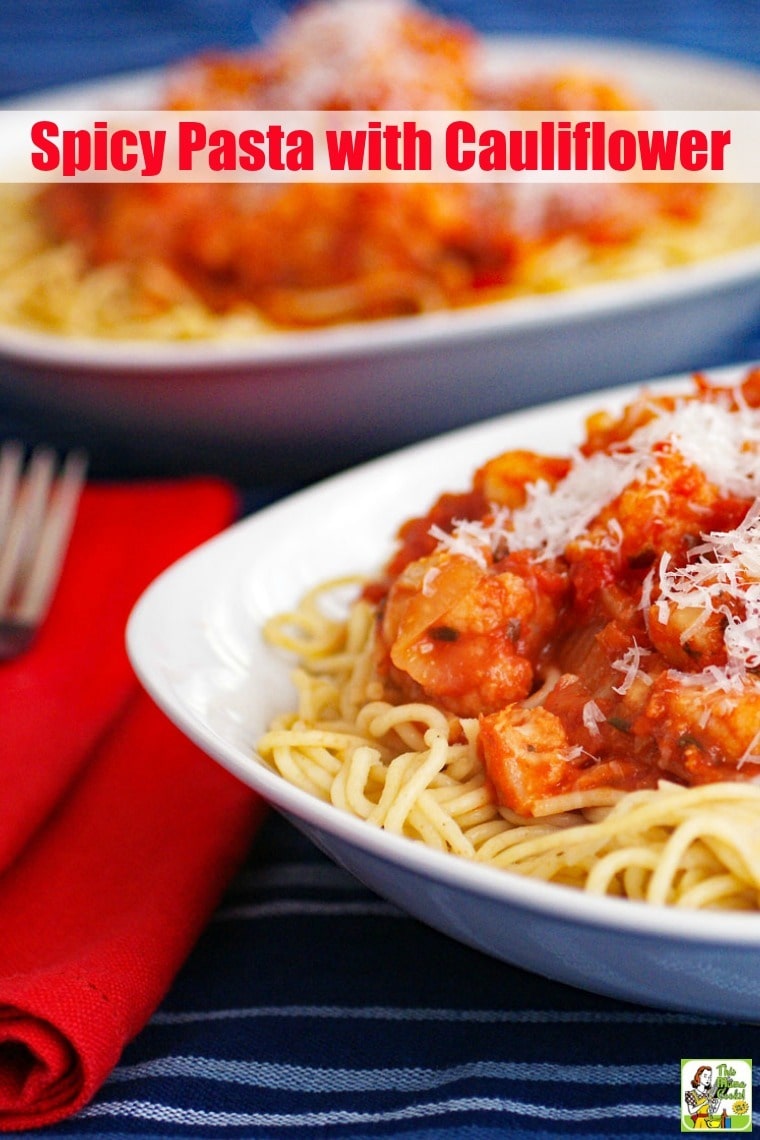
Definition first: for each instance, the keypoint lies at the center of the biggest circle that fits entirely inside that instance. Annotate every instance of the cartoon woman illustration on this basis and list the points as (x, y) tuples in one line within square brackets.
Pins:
[(699, 1099)]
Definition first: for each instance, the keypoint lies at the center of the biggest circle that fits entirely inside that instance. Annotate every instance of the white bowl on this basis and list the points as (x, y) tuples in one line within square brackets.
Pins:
[(303, 403), (195, 641)]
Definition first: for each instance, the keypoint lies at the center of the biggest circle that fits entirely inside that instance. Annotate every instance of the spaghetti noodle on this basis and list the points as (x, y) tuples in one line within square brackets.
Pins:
[(557, 671)]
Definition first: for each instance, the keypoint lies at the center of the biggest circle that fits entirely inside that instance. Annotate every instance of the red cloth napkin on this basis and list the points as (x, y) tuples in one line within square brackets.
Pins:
[(117, 836)]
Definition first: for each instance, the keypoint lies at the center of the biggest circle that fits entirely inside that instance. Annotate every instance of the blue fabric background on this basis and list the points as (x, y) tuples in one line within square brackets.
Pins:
[(44, 43)]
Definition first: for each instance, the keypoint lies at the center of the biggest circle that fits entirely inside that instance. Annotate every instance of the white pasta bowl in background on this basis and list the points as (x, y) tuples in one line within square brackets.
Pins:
[(195, 639), (303, 403)]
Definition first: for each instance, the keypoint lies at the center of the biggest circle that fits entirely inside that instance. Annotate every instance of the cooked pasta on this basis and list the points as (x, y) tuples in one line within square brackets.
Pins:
[(190, 260), (49, 286), (557, 671)]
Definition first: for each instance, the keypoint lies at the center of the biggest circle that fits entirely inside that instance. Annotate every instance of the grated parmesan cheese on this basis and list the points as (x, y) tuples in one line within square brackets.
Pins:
[(721, 575), (474, 538), (751, 752), (724, 443), (630, 664), (431, 574), (592, 717), (356, 54)]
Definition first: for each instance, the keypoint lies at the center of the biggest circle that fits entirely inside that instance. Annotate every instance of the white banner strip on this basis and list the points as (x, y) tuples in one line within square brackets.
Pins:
[(397, 146)]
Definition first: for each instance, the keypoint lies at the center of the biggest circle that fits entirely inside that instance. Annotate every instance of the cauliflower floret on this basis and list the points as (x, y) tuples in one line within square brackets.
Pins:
[(704, 734)]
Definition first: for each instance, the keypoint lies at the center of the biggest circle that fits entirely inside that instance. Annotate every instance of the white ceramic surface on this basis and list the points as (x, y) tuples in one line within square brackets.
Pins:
[(305, 403), (195, 641)]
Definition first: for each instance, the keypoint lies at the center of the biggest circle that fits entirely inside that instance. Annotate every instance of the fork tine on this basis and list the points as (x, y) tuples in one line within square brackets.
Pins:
[(11, 459), (52, 539), (25, 522)]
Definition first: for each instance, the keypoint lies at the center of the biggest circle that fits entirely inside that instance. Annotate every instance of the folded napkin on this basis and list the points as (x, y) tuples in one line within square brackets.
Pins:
[(117, 836)]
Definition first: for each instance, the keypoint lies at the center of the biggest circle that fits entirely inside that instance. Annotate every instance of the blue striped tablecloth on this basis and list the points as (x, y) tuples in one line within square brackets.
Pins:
[(310, 1007)]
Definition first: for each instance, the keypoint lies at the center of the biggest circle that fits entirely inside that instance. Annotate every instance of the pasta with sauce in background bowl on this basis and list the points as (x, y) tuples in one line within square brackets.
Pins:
[(214, 260), (306, 326)]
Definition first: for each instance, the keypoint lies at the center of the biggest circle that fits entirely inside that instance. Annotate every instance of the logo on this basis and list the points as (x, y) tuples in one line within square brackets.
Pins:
[(716, 1095)]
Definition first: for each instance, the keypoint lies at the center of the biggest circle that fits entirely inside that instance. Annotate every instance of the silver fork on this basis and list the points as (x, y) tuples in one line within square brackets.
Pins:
[(38, 504)]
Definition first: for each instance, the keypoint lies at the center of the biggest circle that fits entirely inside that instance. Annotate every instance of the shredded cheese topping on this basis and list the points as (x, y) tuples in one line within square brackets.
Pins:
[(723, 443), (337, 52), (630, 664), (474, 539), (592, 717), (721, 575)]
